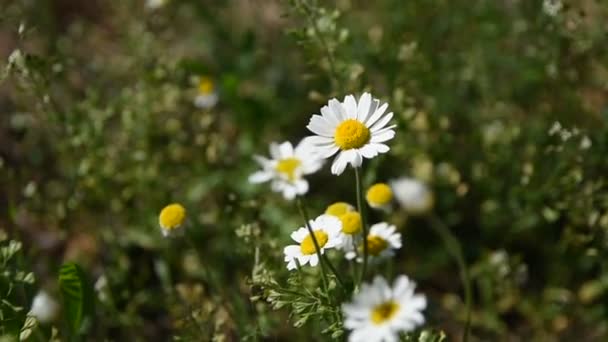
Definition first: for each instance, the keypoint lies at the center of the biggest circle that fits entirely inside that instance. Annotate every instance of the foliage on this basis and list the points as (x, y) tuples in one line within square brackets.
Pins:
[(500, 105)]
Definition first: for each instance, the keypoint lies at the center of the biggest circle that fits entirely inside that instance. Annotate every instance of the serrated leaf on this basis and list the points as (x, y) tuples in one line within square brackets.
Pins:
[(78, 299)]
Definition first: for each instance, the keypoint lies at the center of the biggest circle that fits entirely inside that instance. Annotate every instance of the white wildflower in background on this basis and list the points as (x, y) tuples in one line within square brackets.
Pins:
[(351, 223), (44, 307), (286, 168), (354, 130), (552, 7), (379, 196), (413, 195), (380, 312), (206, 96), (382, 242), (328, 233), (171, 218), (154, 4)]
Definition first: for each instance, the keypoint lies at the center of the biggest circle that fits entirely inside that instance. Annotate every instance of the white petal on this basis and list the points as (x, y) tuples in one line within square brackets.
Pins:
[(356, 158), (301, 186), (381, 123), (327, 151), (260, 177), (320, 126), (275, 151), (368, 151), (338, 109), (363, 108), (377, 114), (350, 104), (340, 163), (330, 116), (289, 192), (316, 140), (286, 150), (314, 260), (382, 137)]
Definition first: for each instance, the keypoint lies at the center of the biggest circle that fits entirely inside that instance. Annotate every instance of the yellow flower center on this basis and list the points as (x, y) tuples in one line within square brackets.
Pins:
[(205, 86), (384, 312), (308, 246), (375, 245), (351, 134), (172, 216), (288, 167), (379, 195), (338, 209), (351, 222)]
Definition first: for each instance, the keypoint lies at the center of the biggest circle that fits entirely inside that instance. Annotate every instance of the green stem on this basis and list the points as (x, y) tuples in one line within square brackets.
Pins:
[(304, 214), (361, 209), (453, 247)]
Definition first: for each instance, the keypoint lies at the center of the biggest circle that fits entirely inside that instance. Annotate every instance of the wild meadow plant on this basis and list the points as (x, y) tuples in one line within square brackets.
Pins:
[(162, 177)]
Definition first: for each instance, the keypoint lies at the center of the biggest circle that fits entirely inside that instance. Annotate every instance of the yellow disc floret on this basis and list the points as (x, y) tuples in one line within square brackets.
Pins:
[(375, 245), (288, 167), (172, 216), (205, 86), (351, 134), (379, 195), (351, 223), (308, 246), (384, 312), (338, 209)]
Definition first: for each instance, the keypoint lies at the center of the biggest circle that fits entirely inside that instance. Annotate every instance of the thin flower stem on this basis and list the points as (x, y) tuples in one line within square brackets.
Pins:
[(304, 214), (322, 258), (453, 247), (361, 209)]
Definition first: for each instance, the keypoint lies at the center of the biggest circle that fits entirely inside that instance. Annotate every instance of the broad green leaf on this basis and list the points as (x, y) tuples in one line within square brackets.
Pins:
[(78, 299)]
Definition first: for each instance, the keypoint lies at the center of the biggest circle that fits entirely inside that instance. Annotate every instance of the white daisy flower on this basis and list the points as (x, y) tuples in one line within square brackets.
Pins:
[(154, 4), (44, 307), (413, 195), (382, 242), (380, 312), (328, 233), (206, 93), (287, 167), (355, 130)]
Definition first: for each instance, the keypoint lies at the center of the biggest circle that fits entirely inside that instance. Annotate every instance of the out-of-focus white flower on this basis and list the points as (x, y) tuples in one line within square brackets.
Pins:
[(552, 7), (327, 231), (413, 196), (154, 4), (44, 307), (287, 167), (206, 96), (353, 129), (380, 312)]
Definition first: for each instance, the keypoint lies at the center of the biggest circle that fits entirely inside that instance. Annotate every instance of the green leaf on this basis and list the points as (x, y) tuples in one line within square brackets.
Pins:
[(77, 293)]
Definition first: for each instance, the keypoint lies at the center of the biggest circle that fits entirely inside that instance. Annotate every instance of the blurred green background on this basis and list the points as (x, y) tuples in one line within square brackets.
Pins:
[(501, 107)]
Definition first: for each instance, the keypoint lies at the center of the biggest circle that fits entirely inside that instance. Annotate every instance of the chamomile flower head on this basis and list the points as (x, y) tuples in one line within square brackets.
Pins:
[(171, 218), (413, 195), (338, 209), (382, 242), (352, 129), (44, 307), (379, 196), (286, 168), (206, 96), (328, 233), (380, 312)]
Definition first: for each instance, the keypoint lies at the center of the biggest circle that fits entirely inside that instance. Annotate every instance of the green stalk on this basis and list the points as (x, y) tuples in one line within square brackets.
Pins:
[(361, 209), (304, 214), (453, 247)]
